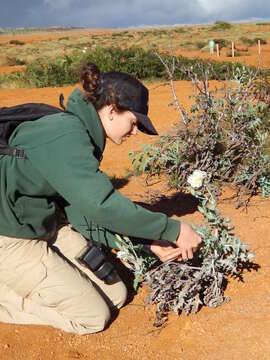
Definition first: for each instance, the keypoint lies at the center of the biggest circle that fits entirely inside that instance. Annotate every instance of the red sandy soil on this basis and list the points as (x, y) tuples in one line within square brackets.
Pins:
[(36, 37), (237, 330), (5, 69)]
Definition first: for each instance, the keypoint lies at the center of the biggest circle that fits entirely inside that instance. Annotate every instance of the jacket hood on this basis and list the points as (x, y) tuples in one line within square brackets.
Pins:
[(79, 106)]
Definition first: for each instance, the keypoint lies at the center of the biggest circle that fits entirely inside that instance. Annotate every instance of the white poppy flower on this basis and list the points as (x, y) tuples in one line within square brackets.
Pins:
[(195, 180), (251, 256), (121, 254), (84, 50)]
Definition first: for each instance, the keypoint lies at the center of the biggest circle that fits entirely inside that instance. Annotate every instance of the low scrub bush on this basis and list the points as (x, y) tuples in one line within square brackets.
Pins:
[(247, 41), (221, 25), (13, 61), (263, 23), (13, 80), (221, 43), (237, 53), (55, 73), (115, 35), (200, 44), (262, 41), (179, 30), (16, 42), (252, 41)]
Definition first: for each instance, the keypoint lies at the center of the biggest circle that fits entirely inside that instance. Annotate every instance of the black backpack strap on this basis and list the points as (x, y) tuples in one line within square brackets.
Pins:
[(18, 153), (61, 101)]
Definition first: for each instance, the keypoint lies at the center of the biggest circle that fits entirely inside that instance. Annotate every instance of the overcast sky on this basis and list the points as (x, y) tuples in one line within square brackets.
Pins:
[(127, 13)]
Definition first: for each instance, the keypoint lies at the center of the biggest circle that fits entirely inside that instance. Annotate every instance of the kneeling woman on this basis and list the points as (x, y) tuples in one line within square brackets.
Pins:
[(41, 281)]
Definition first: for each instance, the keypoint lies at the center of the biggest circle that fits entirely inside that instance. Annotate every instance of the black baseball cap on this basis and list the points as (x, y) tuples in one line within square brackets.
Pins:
[(132, 95)]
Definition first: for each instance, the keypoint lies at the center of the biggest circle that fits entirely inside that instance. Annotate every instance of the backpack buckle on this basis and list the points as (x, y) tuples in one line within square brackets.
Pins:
[(19, 153)]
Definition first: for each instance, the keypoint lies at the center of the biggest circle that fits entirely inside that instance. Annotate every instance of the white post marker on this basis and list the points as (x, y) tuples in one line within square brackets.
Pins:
[(259, 53), (211, 46), (232, 49)]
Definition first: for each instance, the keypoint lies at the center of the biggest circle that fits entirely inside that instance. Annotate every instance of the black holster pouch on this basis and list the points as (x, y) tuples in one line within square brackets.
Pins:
[(94, 258)]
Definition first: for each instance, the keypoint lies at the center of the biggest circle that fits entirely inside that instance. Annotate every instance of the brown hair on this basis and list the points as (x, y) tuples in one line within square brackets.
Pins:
[(90, 78), (99, 90)]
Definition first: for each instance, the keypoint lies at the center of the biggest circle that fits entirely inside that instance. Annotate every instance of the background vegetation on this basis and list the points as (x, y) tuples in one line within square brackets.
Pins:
[(28, 47), (143, 64)]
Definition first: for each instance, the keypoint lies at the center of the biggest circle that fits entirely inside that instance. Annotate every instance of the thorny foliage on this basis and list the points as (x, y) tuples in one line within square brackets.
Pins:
[(201, 281), (134, 259), (187, 286), (225, 134)]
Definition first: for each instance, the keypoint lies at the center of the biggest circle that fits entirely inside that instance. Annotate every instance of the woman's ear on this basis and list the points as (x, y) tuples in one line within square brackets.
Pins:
[(112, 109)]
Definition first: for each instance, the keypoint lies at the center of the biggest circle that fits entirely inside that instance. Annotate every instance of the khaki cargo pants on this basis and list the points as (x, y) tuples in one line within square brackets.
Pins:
[(43, 284)]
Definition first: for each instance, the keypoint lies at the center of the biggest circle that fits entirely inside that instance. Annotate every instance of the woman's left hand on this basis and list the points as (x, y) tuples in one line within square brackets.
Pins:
[(165, 252)]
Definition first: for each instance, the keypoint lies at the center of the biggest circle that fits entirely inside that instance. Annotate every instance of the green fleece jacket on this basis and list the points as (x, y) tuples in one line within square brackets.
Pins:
[(64, 152)]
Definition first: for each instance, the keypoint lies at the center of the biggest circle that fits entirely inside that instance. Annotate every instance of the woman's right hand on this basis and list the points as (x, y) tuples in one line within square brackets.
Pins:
[(165, 252), (187, 242)]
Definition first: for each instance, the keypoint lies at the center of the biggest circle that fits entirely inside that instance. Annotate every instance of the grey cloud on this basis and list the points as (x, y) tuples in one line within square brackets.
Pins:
[(125, 13)]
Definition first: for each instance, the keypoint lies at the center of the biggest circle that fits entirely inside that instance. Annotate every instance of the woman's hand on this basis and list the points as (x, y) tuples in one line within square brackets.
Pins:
[(187, 242), (165, 252)]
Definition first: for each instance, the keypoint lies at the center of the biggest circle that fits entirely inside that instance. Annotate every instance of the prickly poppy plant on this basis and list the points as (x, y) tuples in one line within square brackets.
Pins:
[(225, 133), (187, 286)]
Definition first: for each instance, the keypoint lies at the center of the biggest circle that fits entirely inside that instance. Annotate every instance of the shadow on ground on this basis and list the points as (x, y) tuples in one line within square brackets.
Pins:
[(118, 183), (178, 204)]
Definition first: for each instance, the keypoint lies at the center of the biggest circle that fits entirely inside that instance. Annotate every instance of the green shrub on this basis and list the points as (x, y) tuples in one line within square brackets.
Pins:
[(116, 35), (143, 33), (247, 41), (200, 44), (64, 38), (263, 41), (250, 42), (143, 64), (58, 72), (16, 42), (180, 30), (13, 80), (221, 25), (12, 61), (121, 34), (187, 43), (236, 53), (221, 43)]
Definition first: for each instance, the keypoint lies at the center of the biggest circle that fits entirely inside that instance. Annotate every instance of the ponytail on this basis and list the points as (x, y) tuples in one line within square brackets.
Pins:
[(90, 77)]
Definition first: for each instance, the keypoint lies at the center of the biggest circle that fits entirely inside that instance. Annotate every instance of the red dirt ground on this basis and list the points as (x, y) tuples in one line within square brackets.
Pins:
[(5, 69), (36, 37), (237, 330)]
